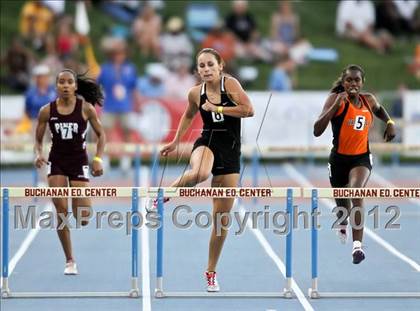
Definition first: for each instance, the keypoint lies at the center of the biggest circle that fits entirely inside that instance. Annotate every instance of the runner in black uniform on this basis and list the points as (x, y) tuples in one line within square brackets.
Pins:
[(68, 156), (221, 133), (221, 101), (67, 163)]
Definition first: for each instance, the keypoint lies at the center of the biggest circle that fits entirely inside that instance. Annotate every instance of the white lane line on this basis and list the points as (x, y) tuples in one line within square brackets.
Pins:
[(386, 183), (304, 182), (279, 263), (145, 256), (27, 242)]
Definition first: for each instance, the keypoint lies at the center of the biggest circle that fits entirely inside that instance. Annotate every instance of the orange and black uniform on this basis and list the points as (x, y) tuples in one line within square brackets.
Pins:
[(350, 126), (221, 133), (68, 154)]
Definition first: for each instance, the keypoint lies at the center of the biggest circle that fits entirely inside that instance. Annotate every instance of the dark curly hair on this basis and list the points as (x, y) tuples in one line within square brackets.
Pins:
[(91, 91), (337, 86)]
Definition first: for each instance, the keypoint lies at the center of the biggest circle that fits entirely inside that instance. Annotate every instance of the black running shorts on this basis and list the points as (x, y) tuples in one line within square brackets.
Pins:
[(226, 158), (75, 167), (339, 167)]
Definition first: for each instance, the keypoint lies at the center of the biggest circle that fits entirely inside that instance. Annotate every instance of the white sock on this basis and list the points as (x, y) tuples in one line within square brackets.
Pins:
[(357, 244)]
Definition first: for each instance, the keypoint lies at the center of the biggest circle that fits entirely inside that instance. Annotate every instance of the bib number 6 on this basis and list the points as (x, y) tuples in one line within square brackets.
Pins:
[(217, 117)]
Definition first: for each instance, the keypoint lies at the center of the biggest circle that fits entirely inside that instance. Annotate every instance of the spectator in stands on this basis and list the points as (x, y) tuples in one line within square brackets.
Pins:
[(398, 17), (67, 39), (41, 93), (51, 58), (118, 78), (397, 109), (280, 77), (57, 7), (355, 21), (387, 17), (152, 85), (17, 61), (414, 65), (223, 42), (122, 10), (242, 23), (36, 21), (397, 103), (146, 31), (409, 12), (284, 28), (176, 46), (178, 83)]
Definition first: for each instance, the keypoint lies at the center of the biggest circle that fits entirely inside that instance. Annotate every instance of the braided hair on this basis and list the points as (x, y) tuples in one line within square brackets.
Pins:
[(87, 87), (337, 86)]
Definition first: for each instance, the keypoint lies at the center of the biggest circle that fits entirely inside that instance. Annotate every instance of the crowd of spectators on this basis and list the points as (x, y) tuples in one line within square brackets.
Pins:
[(48, 40)]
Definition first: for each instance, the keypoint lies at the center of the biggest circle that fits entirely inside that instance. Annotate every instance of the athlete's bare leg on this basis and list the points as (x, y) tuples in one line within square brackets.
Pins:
[(358, 177), (201, 162), (220, 206), (61, 205)]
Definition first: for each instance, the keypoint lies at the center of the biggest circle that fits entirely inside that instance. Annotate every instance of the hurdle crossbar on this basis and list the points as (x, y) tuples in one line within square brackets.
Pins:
[(315, 194), (197, 294), (12, 294), (288, 193)]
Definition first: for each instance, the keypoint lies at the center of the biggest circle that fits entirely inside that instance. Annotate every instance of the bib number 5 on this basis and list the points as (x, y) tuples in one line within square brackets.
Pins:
[(359, 123)]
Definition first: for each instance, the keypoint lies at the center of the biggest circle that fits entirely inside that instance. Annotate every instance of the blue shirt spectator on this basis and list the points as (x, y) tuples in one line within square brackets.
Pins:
[(35, 99), (150, 88), (40, 93), (279, 80), (118, 86), (152, 83)]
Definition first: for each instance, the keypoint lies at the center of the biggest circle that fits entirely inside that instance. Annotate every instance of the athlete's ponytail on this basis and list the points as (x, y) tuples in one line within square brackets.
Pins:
[(88, 88), (337, 86)]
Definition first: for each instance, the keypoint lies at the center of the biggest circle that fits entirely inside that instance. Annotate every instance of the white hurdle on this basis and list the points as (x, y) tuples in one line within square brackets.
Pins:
[(288, 193), (315, 194), (153, 192), (20, 192)]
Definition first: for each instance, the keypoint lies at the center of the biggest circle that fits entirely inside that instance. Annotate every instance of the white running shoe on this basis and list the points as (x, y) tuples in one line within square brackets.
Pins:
[(341, 232), (212, 284), (71, 268), (152, 204)]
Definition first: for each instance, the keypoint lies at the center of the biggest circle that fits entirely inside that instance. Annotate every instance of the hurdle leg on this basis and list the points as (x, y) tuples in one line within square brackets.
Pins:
[(134, 292), (137, 166), (5, 291), (288, 292), (255, 169), (313, 291), (159, 261)]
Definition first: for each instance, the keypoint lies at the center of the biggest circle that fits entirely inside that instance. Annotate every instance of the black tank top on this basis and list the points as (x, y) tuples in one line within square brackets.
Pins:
[(218, 128), (68, 132)]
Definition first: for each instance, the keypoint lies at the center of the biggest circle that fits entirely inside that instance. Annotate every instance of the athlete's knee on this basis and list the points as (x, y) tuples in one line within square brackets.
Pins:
[(357, 202), (62, 221), (356, 183), (83, 215), (200, 176), (222, 221)]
